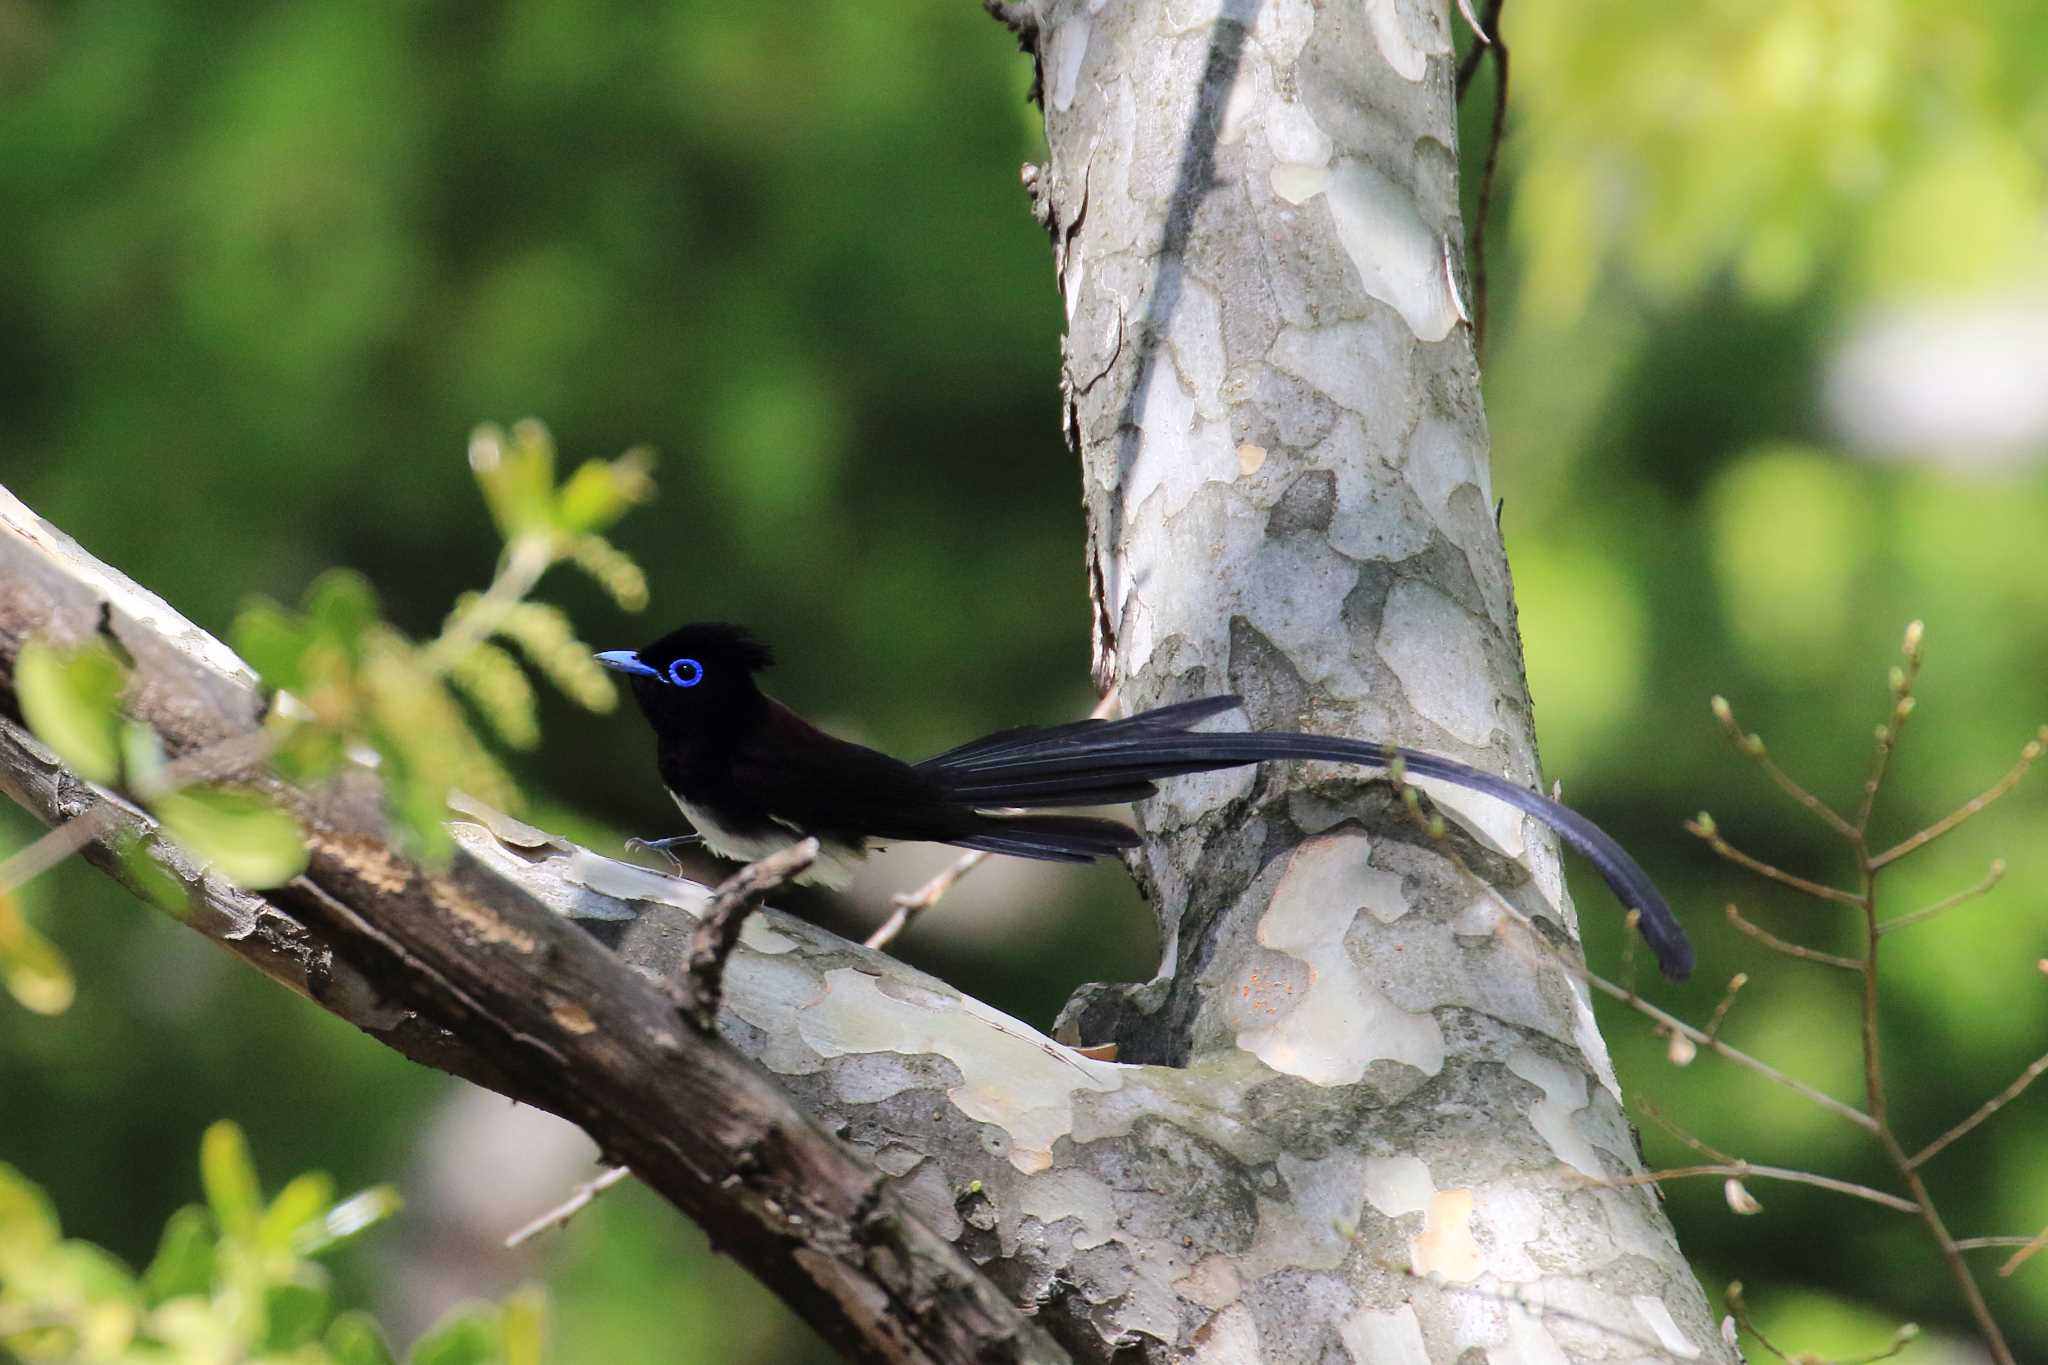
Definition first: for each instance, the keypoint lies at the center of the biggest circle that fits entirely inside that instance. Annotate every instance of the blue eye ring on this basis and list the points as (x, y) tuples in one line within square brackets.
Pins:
[(686, 673)]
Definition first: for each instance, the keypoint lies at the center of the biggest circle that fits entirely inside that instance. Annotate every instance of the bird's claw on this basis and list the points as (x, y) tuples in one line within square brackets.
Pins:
[(664, 847)]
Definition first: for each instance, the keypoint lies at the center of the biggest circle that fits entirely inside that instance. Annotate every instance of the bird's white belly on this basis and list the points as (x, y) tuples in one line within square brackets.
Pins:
[(833, 868)]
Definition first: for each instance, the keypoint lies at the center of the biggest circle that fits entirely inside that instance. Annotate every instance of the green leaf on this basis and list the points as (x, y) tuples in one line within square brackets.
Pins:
[(184, 1260), (142, 758), (468, 1335), (28, 1221), (602, 491), (239, 835), (272, 641), (343, 606), (517, 475), (302, 1202), (228, 1175), (148, 878), (31, 967), (71, 702), (611, 569), (294, 1312), (524, 1330), (308, 753), (354, 1215), (355, 1339)]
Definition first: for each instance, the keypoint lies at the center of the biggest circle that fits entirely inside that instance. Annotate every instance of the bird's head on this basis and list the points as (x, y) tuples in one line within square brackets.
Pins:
[(695, 676)]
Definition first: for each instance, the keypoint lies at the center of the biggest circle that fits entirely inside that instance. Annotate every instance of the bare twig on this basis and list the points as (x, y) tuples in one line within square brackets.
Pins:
[(1494, 44), (560, 1214), (1752, 747), (911, 904), (1720, 1014), (1992, 1243), (697, 988), (2030, 752), (1903, 678), (1720, 1049), (1990, 879), (1735, 855), (1742, 1170), (2025, 1253), (2034, 1071), (54, 845), (1739, 1310), (1800, 951), (229, 756)]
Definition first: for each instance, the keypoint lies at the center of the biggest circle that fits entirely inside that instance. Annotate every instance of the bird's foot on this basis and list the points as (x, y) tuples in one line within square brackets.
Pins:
[(663, 847)]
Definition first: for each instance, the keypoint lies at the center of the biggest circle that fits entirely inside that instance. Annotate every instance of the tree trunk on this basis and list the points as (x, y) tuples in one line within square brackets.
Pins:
[(1254, 216), (1360, 1114)]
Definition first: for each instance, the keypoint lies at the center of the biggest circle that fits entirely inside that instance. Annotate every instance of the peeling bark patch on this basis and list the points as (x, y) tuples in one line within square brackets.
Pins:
[(375, 866), (1064, 54), (1070, 1193), (1652, 1311), (1495, 824), (479, 918), (1017, 1080), (1445, 1246), (1433, 646), (1213, 1282), (1399, 257), (1229, 1338), (1398, 1184), (1386, 1338), (1408, 33), (1342, 1022), (1564, 1094), (570, 1017)]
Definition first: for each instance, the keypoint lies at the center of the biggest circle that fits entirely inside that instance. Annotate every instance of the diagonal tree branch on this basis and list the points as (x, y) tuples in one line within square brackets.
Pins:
[(465, 970)]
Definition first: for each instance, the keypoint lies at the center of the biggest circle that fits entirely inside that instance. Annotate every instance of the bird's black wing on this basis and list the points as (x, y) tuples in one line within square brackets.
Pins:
[(831, 787), (1096, 762)]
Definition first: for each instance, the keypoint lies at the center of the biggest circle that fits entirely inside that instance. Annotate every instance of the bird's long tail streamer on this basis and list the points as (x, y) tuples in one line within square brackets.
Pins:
[(1094, 762)]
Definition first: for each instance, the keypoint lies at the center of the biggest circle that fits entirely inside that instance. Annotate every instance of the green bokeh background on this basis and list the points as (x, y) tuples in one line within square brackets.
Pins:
[(263, 266)]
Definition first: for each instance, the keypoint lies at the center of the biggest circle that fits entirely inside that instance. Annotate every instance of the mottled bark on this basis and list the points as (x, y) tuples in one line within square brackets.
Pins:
[(1273, 392)]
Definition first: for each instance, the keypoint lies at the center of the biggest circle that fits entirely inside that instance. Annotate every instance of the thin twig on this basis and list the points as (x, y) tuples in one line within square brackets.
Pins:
[(911, 904), (1990, 1243), (1798, 950), (1739, 1311), (1698, 1144), (2034, 1072), (53, 846), (2025, 1253), (697, 988), (1764, 869), (1482, 208), (560, 1214), (2028, 754), (1752, 748), (1990, 879), (1736, 1055), (1888, 737), (1740, 1170), (1720, 1014)]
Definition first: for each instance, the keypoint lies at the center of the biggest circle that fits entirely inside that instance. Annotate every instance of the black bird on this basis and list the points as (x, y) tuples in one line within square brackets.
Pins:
[(751, 776)]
